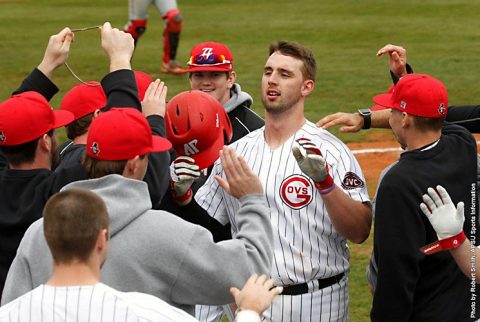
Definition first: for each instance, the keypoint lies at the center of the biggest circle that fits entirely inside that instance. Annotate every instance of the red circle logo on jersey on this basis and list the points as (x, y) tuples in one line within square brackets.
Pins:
[(296, 191)]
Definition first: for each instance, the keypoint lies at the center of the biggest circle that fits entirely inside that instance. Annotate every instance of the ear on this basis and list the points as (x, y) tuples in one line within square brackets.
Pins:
[(96, 113), (131, 167), (102, 239), (307, 87), (45, 143), (231, 79), (406, 119)]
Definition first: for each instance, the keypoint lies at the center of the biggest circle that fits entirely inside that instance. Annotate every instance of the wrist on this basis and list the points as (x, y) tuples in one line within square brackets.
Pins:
[(445, 244), (325, 186), (366, 114), (247, 315)]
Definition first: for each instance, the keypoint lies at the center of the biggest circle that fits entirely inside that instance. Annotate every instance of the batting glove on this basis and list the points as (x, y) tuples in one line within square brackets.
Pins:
[(445, 219), (440, 211), (313, 164), (183, 172)]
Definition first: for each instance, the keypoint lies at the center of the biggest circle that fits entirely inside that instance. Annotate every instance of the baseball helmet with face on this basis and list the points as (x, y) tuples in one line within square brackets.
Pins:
[(198, 126)]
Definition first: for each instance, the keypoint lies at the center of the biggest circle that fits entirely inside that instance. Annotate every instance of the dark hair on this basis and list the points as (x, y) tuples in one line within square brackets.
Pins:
[(79, 127), (22, 153), (296, 50), (72, 220)]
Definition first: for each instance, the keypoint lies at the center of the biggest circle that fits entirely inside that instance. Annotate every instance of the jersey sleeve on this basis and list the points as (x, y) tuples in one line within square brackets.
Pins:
[(345, 170), (211, 196)]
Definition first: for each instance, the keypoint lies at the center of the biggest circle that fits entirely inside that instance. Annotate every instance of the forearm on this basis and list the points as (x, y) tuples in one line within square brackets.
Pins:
[(467, 259), (380, 119), (39, 82), (351, 218)]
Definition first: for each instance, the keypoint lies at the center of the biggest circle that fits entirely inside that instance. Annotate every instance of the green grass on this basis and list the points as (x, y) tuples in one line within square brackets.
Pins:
[(442, 38)]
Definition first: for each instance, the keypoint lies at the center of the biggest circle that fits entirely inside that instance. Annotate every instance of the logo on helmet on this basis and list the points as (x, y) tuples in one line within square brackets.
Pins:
[(191, 147), (441, 109), (3, 138), (296, 191)]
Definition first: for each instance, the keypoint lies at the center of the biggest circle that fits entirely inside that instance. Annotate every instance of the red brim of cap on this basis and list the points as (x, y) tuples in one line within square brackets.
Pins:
[(207, 157), (160, 144), (383, 100), (62, 118), (207, 68)]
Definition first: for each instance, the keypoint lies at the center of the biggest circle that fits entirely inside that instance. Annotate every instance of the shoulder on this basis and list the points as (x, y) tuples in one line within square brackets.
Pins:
[(328, 143)]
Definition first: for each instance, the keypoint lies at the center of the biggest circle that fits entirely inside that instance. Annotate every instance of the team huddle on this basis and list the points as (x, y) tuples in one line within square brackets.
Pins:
[(191, 209)]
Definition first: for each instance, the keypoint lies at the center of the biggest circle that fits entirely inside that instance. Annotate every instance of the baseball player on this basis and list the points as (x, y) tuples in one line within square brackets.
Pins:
[(173, 20), (315, 190), (422, 287)]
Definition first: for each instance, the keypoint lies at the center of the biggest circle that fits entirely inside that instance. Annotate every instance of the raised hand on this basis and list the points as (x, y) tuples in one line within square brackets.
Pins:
[(312, 163), (241, 180)]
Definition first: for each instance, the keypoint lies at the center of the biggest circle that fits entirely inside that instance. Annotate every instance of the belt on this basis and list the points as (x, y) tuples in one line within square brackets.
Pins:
[(297, 289)]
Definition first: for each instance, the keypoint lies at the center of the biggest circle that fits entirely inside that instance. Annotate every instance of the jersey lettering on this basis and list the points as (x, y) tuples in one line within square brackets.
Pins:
[(296, 191)]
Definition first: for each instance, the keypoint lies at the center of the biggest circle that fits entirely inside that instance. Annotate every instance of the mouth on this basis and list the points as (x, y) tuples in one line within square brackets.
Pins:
[(271, 94), (207, 90)]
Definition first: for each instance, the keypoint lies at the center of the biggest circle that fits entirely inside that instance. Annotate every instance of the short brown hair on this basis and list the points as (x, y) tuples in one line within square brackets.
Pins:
[(99, 168), (79, 127), (72, 220), (296, 50), (22, 153)]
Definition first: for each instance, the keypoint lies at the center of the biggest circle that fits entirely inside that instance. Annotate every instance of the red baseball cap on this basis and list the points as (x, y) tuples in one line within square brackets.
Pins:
[(27, 116), (121, 134), (198, 126), (143, 80), (210, 56), (377, 107), (84, 99), (417, 94)]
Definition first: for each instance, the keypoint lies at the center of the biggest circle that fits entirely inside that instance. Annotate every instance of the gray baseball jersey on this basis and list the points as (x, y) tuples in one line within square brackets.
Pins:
[(306, 245)]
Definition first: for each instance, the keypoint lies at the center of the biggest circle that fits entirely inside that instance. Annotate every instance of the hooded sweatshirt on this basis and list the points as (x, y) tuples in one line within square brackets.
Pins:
[(155, 252), (243, 119)]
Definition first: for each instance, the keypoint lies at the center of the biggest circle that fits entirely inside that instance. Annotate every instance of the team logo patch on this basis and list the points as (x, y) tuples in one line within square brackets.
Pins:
[(441, 109), (352, 181), (403, 104), (94, 148), (296, 191), (3, 138)]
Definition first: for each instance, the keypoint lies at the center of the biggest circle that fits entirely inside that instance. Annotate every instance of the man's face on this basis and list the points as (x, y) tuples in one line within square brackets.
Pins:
[(215, 84), (282, 83)]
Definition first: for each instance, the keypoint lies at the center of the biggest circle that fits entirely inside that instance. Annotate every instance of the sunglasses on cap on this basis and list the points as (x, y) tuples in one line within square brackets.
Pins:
[(211, 60)]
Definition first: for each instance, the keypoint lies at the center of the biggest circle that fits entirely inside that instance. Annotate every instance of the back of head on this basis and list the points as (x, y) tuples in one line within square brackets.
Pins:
[(24, 118), (72, 221), (198, 126), (117, 136), (82, 100), (422, 96), (298, 51)]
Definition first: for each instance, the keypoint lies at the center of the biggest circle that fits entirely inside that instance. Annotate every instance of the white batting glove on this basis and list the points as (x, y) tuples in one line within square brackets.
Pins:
[(183, 172), (440, 211), (312, 163)]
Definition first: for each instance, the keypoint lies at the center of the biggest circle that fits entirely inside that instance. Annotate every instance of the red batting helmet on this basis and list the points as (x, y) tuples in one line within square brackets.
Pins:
[(198, 126)]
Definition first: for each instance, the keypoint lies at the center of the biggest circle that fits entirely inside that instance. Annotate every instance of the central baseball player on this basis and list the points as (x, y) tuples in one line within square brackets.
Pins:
[(315, 190)]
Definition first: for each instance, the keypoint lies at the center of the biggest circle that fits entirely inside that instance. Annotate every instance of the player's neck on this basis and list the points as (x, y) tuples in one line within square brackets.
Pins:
[(419, 140), (81, 139), (280, 127), (76, 273)]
